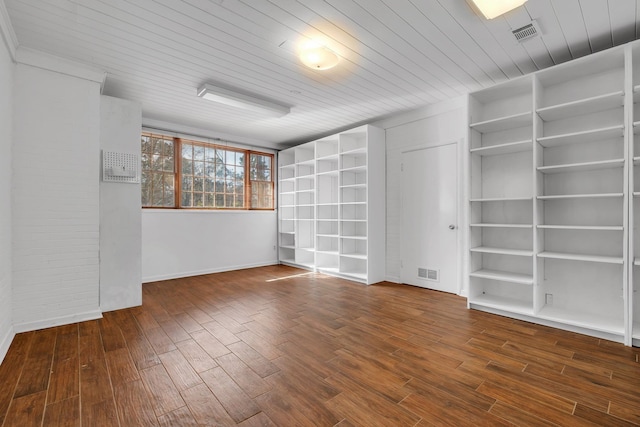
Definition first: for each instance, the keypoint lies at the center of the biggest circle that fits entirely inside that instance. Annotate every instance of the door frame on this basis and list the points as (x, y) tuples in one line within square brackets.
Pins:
[(461, 217)]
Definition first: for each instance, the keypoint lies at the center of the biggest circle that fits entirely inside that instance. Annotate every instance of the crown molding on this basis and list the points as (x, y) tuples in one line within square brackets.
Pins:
[(6, 29), (46, 61)]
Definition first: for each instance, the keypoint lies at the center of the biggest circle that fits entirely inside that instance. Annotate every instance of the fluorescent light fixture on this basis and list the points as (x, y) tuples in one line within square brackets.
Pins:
[(319, 57), (492, 8), (238, 99)]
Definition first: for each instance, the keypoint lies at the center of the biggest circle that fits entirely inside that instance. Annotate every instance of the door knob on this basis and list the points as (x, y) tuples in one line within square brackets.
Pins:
[(452, 227)]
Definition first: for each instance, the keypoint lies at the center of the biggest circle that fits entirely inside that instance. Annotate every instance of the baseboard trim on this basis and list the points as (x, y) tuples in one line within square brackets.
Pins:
[(207, 271), (6, 343), (57, 321)]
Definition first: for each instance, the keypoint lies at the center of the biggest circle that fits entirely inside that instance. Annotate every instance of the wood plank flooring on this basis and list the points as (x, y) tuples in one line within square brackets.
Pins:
[(277, 346)]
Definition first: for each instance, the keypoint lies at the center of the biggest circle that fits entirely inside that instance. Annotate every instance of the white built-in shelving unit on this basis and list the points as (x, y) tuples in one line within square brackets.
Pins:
[(331, 205), (552, 162)]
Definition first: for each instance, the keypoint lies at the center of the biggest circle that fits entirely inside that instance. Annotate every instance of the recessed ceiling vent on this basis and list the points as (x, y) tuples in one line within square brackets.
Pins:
[(527, 32)]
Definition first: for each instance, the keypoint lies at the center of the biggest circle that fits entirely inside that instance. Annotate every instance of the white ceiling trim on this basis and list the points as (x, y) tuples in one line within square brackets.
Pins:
[(205, 135), (38, 59), (8, 34)]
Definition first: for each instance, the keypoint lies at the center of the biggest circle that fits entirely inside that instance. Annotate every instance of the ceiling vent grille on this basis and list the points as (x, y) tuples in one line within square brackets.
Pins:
[(527, 32)]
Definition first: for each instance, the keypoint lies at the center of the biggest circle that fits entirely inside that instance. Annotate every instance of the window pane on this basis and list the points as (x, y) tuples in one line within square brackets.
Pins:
[(169, 193), (198, 184), (210, 154), (168, 164), (157, 145), (219, 200), (187, 183), (157, 162), (146, 160), (209, 185), (261, 181), (187, 151), (229, 201), (197, 200), (230, 157), (146, 144), (186, 199), (198, 168), (261, 195), (145, 182), (187, 167), (198, 152), (240, 159)]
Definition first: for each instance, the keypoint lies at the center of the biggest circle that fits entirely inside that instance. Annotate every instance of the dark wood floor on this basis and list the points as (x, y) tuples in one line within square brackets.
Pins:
[(279, 346)]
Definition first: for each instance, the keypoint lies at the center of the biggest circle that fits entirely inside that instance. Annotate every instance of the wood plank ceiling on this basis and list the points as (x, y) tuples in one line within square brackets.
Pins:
[(397, 55)]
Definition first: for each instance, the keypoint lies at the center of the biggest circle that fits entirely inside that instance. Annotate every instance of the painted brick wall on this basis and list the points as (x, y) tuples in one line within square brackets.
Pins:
[(6, 102), (55, 198)]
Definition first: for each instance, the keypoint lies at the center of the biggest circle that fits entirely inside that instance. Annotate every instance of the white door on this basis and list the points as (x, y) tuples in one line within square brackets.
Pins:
[(429, 214)]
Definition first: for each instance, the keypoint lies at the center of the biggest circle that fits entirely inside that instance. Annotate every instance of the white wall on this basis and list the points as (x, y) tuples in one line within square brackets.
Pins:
[(6, 117), (187, 243), (55, 192), (437, 125), (120, 216)]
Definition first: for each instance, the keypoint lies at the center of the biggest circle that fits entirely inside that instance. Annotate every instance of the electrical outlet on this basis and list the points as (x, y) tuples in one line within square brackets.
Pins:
[(548, 299)]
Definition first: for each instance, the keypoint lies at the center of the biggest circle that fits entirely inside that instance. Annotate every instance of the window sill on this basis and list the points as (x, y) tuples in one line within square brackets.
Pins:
[(207, 211)]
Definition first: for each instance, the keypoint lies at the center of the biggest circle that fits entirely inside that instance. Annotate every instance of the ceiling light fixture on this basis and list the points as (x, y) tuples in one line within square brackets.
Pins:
[(492, 8), (235, 98), (319, 57)]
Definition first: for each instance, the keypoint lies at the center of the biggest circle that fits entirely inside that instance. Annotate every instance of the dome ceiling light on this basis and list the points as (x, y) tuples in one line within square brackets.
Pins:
[(319, 57)]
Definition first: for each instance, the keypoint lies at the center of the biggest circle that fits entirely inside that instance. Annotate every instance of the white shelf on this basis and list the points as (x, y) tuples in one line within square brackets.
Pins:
[(353, 255), (333, 172), (582, 137), (355, 151), (499, 149), (287, 247), (354, 169), (581, 196), (354, 237), (636, 194), (503, 199), (596, 322), (502, 225), (502, 251), (580, 107), (583, 227), (333, 156), (636, 261), (503, 276), (636, 330), (334, 183), (581, 257), (585, 166), (327, 252), (503, 303), (503, 123)]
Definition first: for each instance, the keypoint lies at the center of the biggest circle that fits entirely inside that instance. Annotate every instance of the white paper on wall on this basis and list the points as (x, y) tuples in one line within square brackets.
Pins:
[(120, 167)]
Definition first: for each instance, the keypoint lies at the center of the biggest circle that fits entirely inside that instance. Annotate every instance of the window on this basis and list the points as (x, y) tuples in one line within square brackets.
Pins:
[(158, 171), (204, 176), (261, 181)]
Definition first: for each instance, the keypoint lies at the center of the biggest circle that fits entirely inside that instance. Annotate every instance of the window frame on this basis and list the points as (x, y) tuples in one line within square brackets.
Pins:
[(177, 175)]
